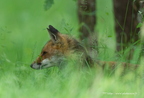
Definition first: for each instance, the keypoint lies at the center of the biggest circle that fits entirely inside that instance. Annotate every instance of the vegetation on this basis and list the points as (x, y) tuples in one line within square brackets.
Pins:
[(22, 35)]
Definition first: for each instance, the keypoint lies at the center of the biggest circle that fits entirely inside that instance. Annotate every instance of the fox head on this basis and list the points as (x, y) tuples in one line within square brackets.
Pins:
[(55, 49)]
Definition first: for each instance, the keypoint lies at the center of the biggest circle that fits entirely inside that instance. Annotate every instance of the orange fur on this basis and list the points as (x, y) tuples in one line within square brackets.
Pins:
[(61, 45)]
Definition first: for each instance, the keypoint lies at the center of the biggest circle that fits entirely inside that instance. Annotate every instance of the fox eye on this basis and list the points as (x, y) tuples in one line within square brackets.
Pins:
[(44, 53)]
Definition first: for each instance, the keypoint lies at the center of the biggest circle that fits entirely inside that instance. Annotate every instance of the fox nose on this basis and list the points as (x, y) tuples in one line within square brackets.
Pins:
[(39, 63), (35, 65)]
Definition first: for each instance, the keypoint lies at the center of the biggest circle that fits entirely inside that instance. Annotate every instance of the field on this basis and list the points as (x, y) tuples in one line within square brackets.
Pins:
[(23, 33)]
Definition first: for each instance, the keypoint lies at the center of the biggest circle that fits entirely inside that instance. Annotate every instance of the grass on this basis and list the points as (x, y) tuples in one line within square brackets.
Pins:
[(23, 34)]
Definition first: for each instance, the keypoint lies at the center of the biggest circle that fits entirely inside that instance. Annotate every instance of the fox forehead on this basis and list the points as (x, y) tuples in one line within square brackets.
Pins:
[(61, 46)]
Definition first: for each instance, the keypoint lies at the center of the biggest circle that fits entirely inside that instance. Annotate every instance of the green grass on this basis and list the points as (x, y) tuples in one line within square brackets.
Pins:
[(22, 35)]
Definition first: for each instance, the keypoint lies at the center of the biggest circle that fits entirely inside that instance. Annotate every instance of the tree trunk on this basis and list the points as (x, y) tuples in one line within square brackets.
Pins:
[(125, 12), (87, 21), (87, 18)]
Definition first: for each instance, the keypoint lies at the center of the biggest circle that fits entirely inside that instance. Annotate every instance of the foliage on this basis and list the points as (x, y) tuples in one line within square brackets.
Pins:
[(48, 4), (27, 22)]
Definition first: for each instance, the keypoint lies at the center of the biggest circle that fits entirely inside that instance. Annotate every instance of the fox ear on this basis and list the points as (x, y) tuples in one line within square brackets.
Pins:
[(53, 33)]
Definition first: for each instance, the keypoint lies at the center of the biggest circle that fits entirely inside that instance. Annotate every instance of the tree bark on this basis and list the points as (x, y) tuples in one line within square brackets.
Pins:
[(125, 13), (87, 18), (87, 21)]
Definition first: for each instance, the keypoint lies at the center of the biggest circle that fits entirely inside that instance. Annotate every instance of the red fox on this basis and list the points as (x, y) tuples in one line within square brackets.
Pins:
[(59, 47)]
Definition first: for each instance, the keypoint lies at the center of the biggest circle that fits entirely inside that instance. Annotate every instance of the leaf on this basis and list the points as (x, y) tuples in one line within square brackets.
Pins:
[(109, 36), (139, 25), (48, 4), (107, 13)]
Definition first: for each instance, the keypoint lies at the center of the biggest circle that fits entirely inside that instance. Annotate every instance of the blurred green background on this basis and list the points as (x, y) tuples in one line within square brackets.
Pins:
[(23, 25), (23, 33)]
